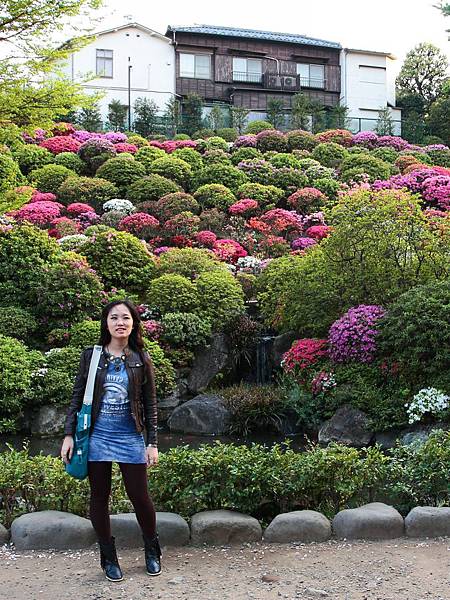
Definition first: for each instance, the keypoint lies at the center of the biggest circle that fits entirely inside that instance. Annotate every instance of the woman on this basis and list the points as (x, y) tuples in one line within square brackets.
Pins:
[(124, 403)]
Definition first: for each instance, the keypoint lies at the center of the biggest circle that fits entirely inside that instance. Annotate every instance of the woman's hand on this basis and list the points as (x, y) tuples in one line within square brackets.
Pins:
[(67, 449), (151, 456)]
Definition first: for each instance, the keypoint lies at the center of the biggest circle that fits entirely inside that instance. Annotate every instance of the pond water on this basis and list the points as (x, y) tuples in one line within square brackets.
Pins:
[(166, 440)]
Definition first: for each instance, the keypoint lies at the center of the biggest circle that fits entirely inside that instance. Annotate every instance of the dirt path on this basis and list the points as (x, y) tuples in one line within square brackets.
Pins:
[(395, 570)]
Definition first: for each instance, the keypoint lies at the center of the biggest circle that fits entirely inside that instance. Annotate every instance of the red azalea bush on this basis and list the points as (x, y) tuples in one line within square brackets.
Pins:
[(206, 238), (139, 224), (61, 143), (306, 199), (282, 221), (319, 232), (125, 147), (245, 207), (338, 136), (228, 250), (77, 208), (304, 354)]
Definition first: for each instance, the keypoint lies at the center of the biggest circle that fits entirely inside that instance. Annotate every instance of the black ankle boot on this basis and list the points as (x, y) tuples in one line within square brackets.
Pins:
[(109, 561), (152, 555)]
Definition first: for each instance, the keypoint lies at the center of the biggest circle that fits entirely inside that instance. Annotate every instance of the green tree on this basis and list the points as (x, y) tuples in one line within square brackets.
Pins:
[(318, 116), (239, 117), (172, 116), (385, 124), (216, 118), (438, 120), (90, 118), (301, 112), (276, 112), (192, 113), (117, 113), (146, 121), (413, 117), (423, 73), (338, 117), (32, 90)]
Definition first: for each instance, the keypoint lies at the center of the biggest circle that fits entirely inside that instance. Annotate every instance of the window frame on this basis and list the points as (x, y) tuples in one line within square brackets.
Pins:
[(106, 61), (195, 74), (248, 74), (311, 81)]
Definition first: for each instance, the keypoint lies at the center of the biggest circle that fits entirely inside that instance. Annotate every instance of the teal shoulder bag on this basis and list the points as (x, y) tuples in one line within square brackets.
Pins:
[(78, 465)]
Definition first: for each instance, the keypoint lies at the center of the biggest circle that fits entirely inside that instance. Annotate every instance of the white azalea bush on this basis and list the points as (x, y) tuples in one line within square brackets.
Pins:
[(119, 204), (427, 400)]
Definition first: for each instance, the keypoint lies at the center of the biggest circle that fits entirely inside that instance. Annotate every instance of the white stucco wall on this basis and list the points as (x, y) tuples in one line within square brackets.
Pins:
[(153, 67), (368, 85)]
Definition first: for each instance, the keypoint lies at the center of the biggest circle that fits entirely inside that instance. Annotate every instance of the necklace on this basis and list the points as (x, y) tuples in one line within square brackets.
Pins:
[(116, 361)]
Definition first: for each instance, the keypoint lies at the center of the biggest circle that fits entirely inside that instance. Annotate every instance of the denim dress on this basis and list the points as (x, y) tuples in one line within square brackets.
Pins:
[(114, 437)]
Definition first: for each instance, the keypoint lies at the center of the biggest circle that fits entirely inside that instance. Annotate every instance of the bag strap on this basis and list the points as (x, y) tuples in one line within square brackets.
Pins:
[(89, 391)]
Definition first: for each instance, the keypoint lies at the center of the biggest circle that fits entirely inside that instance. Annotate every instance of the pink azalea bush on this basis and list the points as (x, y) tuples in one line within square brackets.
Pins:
[(43, 197), (39, 213), (61, 143), (115, 137), (303, 199), (338, 136), (248, 141), (138, 223), (436, 190), (125, 147), (228, 250), (83, 136), (244, 207), (353, 336), (304, 354), (77, 208), (368, 139), (63, 226), (319, 232), (206, 238), (302, 243)]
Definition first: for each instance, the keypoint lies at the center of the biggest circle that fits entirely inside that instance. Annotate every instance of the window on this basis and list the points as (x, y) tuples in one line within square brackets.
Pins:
[(195, 65), (311, 75), (104, 67), (247, 69)]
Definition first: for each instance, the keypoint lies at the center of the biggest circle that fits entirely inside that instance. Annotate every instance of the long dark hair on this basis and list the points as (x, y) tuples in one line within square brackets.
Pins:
[(135, 341)]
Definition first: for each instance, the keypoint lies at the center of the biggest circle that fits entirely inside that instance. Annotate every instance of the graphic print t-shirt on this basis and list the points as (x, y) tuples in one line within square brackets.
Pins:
[(115, 409)]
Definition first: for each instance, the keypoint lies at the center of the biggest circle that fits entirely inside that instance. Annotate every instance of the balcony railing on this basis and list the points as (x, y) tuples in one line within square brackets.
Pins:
[(243, 76), (312, 82)]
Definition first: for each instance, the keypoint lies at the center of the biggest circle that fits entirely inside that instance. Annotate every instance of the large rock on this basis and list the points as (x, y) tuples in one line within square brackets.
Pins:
[(375, 521), (204, 415), (280, 345), (416, 434), (172, 529), (51, 529), (348, 426), (209, 361), (223, 527), (48, 421), (167, 405), (428, 521), (298, 526), (4, 535)]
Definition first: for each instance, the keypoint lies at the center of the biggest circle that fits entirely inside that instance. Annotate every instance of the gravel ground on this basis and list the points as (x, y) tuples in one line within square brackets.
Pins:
[(403, 569)]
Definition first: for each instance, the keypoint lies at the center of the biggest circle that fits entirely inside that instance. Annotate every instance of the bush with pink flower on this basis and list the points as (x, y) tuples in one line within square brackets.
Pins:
[(83, 136), (319, 232), (125, 147), (436, 190), (301, 243), (63, 226), (245, 141), (244, 208), (271, 139), (139, 224), (115, 137), (392, 141), (368, 139), (43, 197), (77, 208), (206, 238), (338, 136), (282, 221), (39, 213), (353, 336), (304, 354), (228, 250), (61, 143)]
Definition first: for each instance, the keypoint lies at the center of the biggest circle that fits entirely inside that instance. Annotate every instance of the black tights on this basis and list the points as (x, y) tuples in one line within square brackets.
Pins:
[(135, 480)]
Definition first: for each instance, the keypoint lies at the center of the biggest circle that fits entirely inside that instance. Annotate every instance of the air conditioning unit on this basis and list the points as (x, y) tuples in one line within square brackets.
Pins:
[(272, 81), (289, 82)]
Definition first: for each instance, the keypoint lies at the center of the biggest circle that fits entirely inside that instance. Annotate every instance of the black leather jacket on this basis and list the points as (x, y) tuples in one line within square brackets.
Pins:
[(141, 391)]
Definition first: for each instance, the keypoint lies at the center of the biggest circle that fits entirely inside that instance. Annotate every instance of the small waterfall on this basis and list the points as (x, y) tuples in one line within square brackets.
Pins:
[(263, 362)]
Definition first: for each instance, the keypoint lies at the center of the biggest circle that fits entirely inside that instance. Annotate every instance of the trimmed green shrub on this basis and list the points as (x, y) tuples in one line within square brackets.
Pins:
[(174, 169), (147, 154), (415, 332), (181, 136), (229, 134), (221, 298), (49, 178), (440, 158), (284, 159), (121, 171), (330, 187), (172, 204), (357, 164), (390, 155), (150, 188), (231, 177), (17, 322), (137, 140), (289, 179), (265, 195), (70, 160), (257, 126), (165, 381), (90, 190), (216, 157), (84, 334), (10, 175), (30, 157), (185, 329), (190, 156), (15, 198), (172, 293), (214, 195), (121, 260), (15, 377), (216, 143), (245, 153), (329, 154), (298, 139), (188, 262)]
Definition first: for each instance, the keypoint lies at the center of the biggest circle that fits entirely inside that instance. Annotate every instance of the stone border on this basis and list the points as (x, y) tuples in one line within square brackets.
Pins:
[(375, 521)]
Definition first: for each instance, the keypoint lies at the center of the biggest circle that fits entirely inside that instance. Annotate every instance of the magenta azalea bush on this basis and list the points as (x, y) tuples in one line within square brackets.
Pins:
[(61, 143), (353, 336), (244, 207), (39, 213), (138, 223)]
